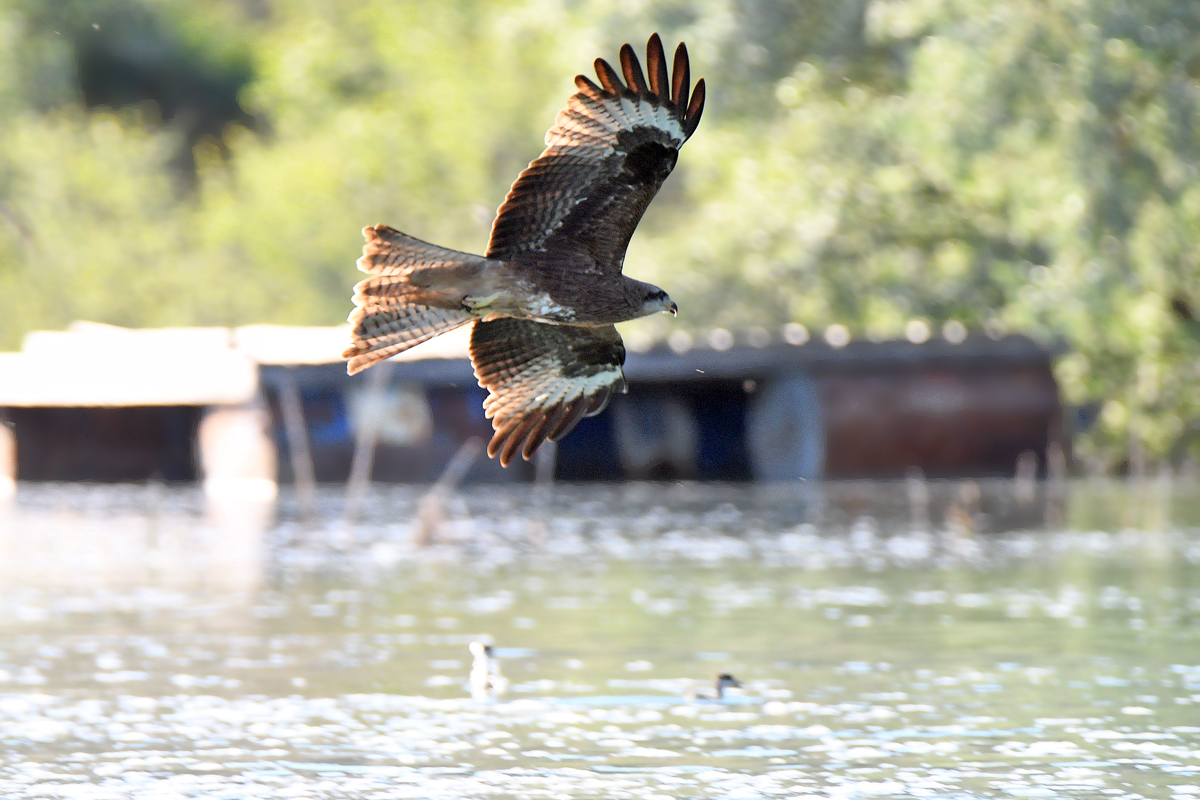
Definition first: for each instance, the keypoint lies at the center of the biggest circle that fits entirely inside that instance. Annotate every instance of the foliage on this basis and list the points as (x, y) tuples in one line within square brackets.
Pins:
[(1019, 165)]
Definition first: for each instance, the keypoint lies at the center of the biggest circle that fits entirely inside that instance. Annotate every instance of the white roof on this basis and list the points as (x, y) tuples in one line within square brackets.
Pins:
[(287, 344), (103, 365), (91, 364)]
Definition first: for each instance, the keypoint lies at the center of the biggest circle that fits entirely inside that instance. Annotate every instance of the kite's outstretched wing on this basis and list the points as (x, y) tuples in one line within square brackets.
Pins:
[(542, 379), (608, 153)]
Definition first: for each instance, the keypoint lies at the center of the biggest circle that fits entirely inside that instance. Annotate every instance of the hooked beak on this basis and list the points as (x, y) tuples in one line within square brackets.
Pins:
[(674, 309)]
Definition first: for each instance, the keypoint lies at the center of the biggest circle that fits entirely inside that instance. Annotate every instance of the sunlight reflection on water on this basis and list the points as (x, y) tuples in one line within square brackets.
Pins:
[(945, 642)]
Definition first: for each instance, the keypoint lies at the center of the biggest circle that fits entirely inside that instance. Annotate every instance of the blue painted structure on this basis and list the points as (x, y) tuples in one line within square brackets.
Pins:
[(779, 412)]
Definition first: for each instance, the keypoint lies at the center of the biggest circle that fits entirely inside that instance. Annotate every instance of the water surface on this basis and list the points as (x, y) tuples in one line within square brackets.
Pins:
[(949, 640)]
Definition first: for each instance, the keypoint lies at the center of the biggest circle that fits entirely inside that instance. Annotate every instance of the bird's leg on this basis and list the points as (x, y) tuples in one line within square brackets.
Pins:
[(474, 303)]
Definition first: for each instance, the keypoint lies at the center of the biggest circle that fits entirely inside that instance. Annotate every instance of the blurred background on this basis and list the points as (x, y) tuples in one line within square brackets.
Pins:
[(916, 462), (950, 176)]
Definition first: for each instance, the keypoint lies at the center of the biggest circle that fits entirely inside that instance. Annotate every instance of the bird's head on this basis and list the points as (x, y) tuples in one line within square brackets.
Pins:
[(656, 301), (727, 681)]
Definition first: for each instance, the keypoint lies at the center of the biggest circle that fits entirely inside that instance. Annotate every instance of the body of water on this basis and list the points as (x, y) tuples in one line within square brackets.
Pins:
[(950, 640)]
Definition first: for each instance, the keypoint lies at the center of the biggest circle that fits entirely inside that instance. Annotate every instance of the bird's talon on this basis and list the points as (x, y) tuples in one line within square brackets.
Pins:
[(475, 303)]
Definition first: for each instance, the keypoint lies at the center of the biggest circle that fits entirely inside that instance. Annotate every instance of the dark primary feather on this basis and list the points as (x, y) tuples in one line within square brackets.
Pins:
[(695, 109), (542, 379), (633, 71), (607, 155), (681, 84), (608, 77), (656, 69)]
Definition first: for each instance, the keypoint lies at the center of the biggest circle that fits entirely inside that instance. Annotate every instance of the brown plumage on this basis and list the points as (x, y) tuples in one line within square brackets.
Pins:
[(544, 298)]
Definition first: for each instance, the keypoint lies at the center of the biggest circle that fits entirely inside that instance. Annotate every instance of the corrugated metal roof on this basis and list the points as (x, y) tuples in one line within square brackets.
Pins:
[(91, 364)]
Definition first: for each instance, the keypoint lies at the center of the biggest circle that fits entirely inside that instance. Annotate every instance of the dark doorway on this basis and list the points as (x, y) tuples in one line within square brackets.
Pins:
[(106, 444)]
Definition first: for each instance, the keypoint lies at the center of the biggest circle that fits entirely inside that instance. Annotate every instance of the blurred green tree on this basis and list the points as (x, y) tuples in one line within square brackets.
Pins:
[(1021, 166)]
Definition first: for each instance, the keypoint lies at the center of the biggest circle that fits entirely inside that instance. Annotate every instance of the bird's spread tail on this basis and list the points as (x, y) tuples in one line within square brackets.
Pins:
[(383, 334), (410, 299)]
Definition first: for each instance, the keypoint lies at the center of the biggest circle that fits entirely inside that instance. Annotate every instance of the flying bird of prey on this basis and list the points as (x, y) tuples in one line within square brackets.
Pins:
[(544, 297)]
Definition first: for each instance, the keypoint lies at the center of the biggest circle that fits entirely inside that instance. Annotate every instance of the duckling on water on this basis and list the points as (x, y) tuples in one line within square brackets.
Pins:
[(722, 682), (486, 681)]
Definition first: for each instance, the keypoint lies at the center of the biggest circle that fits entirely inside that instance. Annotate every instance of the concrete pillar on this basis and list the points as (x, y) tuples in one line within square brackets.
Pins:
[(8, 462), (237, 453), (787, 430), (239, 464), (655, 432), (366, 440), (291, 406)]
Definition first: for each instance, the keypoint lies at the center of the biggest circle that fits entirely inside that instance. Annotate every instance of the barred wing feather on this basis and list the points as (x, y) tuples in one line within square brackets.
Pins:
[(542, 379), (607, 155)]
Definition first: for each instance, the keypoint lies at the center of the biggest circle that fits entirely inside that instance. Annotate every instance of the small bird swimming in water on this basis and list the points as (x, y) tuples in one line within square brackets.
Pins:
[(722, 682), (486, 681)]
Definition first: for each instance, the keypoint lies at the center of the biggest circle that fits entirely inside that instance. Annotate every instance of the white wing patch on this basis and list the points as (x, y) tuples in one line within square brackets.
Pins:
[(542, 305), (596, 383), (541, 379), (585, 152), (592, 125)]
